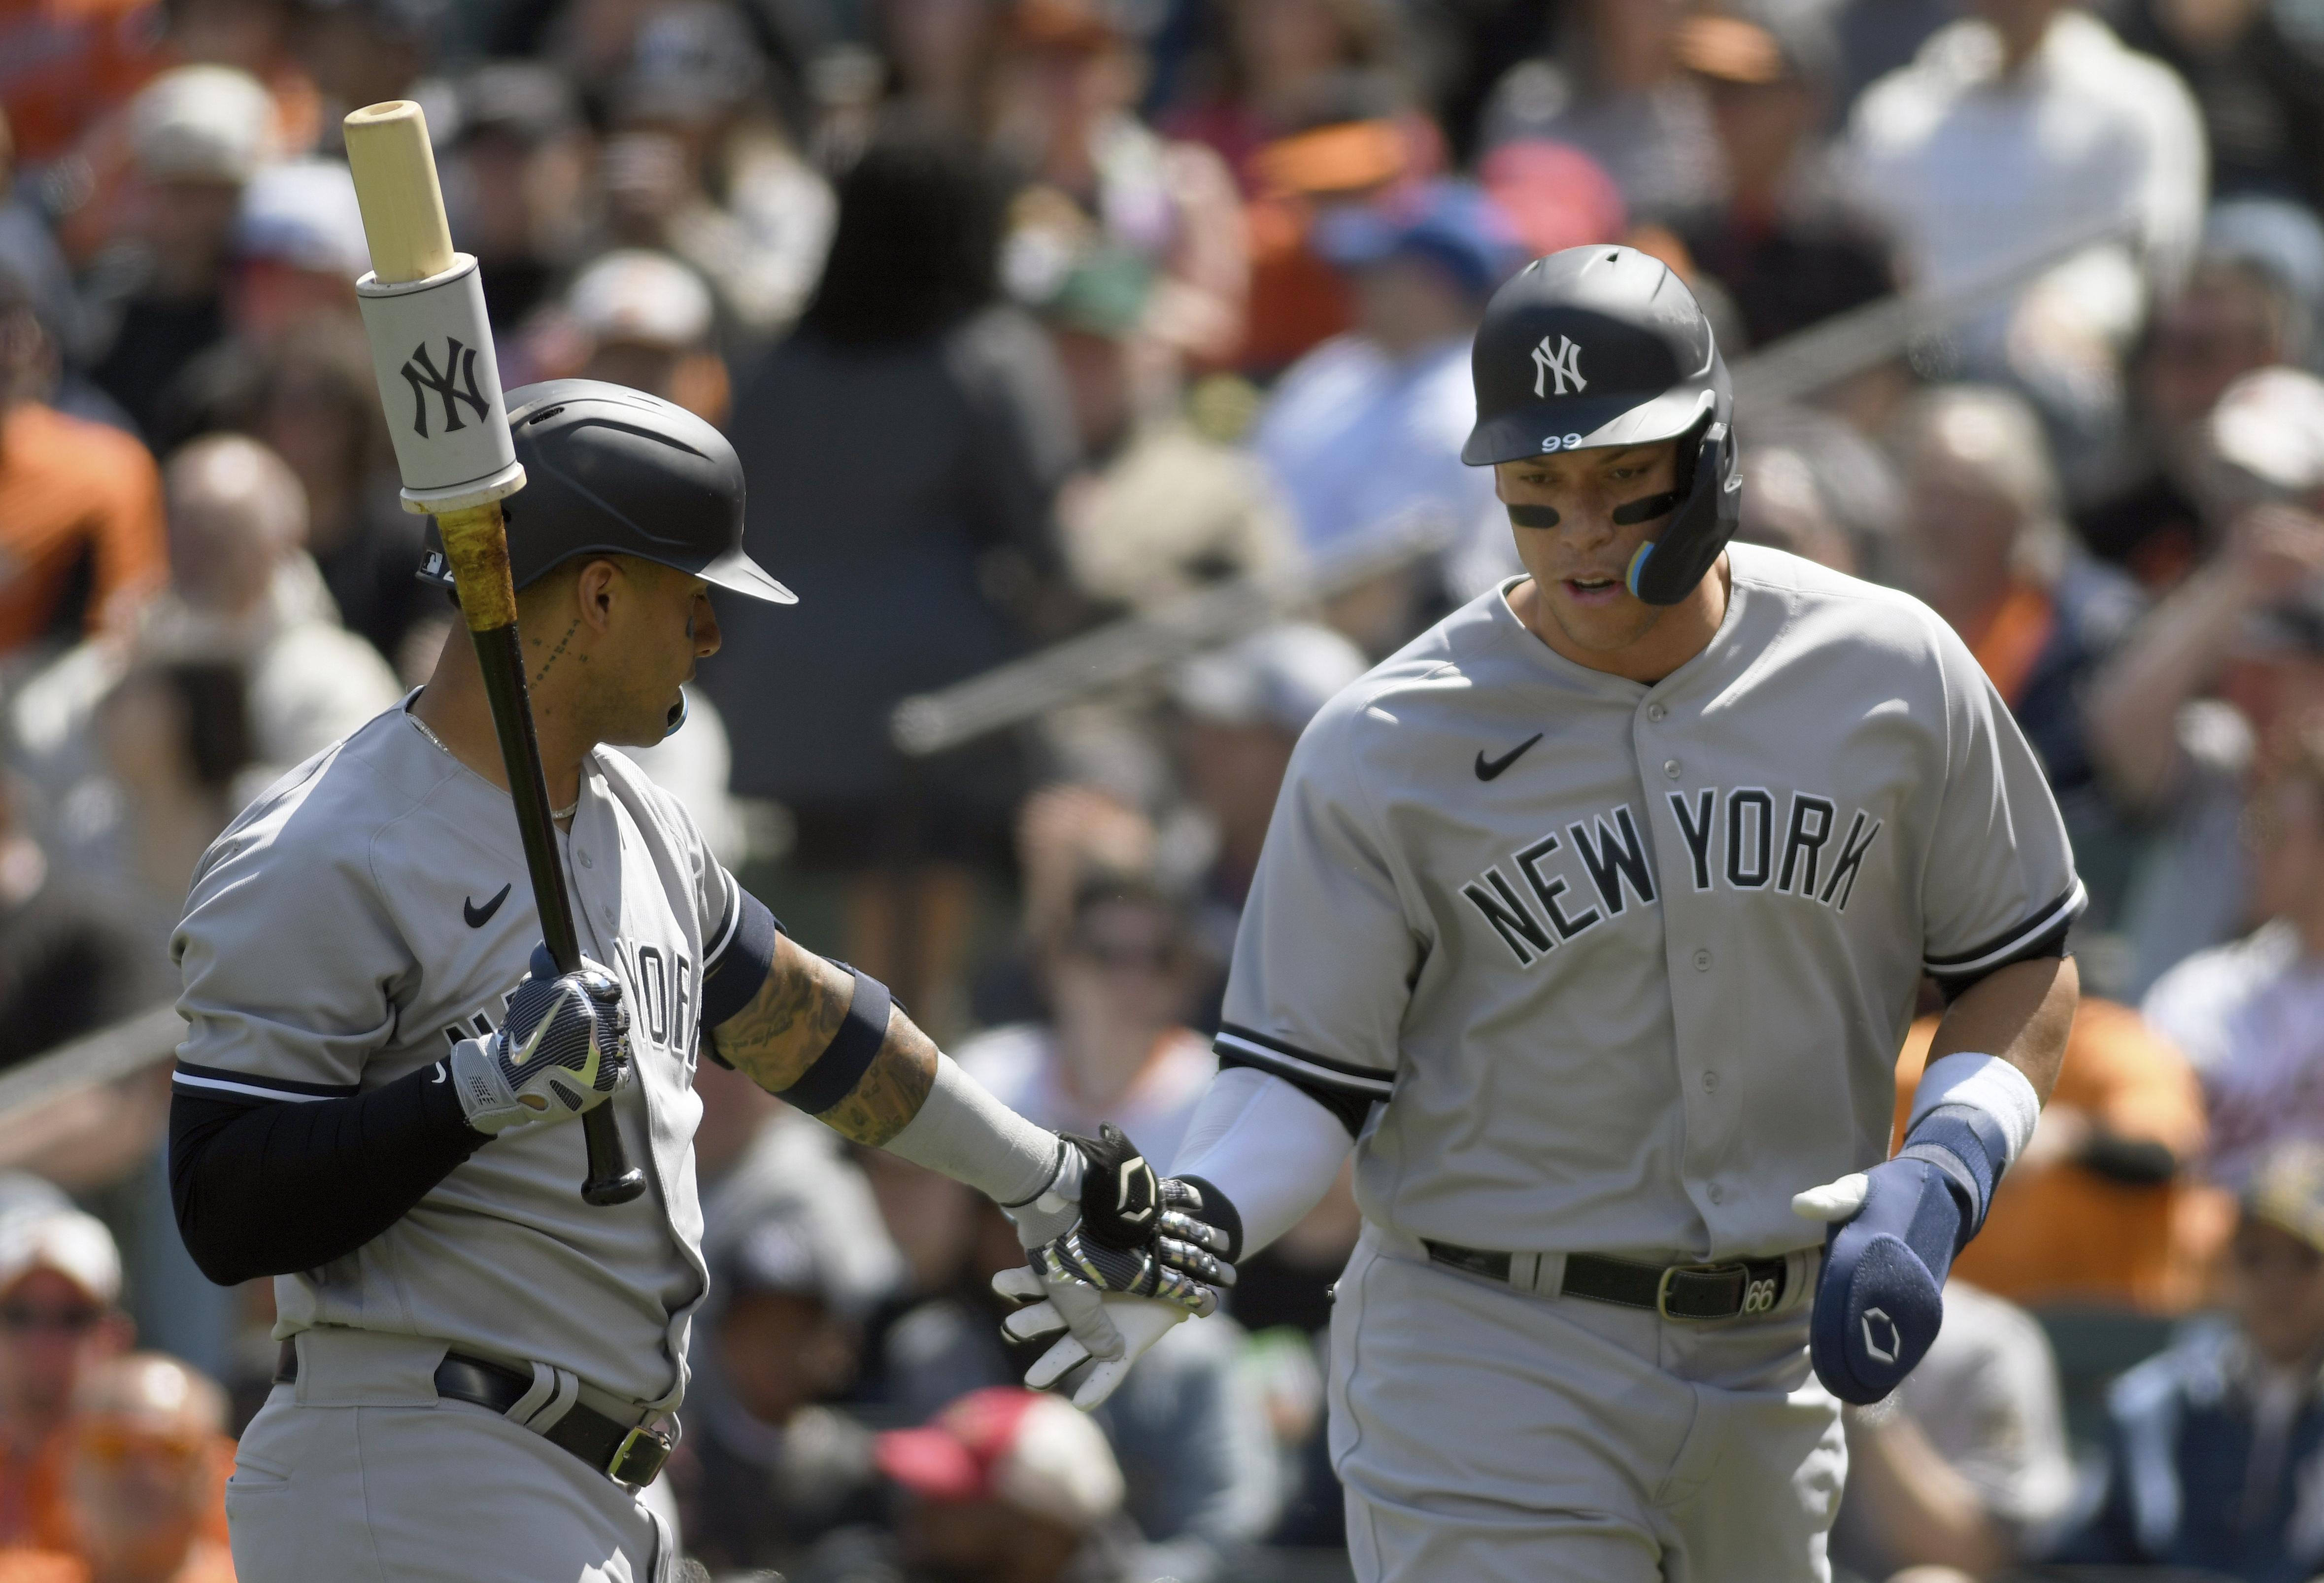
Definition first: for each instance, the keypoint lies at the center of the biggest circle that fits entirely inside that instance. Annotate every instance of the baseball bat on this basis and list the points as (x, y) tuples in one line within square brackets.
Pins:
[(420, 288)]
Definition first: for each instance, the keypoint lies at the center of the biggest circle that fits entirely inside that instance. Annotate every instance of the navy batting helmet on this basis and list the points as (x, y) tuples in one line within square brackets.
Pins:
[(1604, 346), (612, 470)]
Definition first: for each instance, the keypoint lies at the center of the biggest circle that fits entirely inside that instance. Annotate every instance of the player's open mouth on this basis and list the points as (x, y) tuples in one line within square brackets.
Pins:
[(1593, 590)]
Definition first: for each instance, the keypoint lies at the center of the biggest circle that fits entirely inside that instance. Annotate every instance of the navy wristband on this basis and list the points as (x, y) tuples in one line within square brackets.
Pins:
[(835, 1072)]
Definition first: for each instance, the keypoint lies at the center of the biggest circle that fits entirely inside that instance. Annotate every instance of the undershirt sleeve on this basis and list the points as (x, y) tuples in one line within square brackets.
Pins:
[(267, 1187)]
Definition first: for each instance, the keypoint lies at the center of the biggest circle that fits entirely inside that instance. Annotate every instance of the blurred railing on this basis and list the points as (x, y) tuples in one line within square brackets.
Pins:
[(1139, 646), (53, 1100)]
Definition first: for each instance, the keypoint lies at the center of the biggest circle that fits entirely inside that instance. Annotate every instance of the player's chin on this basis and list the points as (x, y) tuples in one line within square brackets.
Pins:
[(1600, 613)]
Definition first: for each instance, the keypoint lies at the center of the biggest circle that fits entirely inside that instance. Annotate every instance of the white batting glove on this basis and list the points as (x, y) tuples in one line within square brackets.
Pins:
[(562, 1048), (1135, 1323), (1108, 1245)]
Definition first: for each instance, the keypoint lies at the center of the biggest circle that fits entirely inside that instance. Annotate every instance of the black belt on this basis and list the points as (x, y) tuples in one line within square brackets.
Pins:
[(1676, 1291), (626, 1455)]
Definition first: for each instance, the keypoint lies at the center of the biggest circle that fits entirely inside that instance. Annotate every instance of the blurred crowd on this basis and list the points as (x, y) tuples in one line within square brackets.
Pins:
[(1029, 318)]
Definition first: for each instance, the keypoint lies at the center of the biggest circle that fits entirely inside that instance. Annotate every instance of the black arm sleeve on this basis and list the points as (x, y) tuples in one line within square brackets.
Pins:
[(265, 1188)]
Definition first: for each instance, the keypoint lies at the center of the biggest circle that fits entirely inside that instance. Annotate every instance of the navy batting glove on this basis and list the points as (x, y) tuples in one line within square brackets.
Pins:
[(1880, 1299)]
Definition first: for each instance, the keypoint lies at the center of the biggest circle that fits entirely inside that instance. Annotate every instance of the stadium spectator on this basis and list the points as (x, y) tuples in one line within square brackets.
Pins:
[(903, 446), (1286, 68), (695, 166), (1968, 1472), (1241, 708), (2258, 82), (1067, 83), (359, 52), (197, 135), (770, 1470), (300, 248), (80, 505), (2181, 717), (66, 65), (60, 1279), (1115, 1047), (71, 958), (243, 588), (644, 319), (2230, 319), (1988, 548), (1357, 152), (2212, 1447), (2019, 128), (2105, 1206), (313, 403), (2250, 1014), (147, 1468), (1614, 88), (1162, 511), (1192, 1441), (1786, 245), (1004, 1485), (516, 175), (1363, 434), (1822, 490)]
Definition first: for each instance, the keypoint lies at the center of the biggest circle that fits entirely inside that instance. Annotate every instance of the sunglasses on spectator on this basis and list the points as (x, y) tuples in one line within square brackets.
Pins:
[(71, 1322)]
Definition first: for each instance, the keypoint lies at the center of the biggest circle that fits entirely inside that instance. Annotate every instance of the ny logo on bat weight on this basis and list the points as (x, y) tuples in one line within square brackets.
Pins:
[(459, 368)]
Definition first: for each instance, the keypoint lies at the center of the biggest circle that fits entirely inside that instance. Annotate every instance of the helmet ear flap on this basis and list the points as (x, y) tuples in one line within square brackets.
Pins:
[(1666, 569)]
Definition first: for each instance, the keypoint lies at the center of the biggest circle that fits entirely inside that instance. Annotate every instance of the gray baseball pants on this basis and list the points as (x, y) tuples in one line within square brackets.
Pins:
[(358, 1472), (1492, 1435)]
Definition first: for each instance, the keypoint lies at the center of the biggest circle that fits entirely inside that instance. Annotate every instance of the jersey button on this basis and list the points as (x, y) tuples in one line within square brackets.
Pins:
[(1711, 1082), (1670, 768), (583, 857), (1718, 1194), (1655, 712), (1703, 961)]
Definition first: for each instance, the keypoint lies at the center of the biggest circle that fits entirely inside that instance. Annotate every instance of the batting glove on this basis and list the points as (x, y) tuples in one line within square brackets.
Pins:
[(1116, 1257), (562, 1048)]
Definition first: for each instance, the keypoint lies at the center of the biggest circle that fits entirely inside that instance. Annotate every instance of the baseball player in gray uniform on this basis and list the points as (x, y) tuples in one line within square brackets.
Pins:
[(479, 1370), (1593, 920)]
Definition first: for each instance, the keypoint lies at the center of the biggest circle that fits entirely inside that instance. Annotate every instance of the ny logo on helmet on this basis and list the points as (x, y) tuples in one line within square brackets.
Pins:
[(1563, 364), (459, 368)]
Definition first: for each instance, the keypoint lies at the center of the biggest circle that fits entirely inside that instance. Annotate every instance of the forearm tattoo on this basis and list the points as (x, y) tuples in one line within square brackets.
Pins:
[(792, 1021)]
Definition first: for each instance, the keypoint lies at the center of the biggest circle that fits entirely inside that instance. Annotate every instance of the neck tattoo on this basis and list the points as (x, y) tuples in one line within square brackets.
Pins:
[(557, 653)]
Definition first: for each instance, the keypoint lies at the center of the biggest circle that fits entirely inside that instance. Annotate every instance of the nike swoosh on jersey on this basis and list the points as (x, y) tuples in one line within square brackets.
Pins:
[(478, 917), (1489, 769)]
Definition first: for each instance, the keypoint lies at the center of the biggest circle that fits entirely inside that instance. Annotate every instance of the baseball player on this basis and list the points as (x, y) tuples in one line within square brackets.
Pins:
[(1592, 920), (374, 1095)]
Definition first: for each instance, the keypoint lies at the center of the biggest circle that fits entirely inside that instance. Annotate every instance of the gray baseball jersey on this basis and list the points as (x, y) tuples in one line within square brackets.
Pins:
[(1631, 964), (371, 911)]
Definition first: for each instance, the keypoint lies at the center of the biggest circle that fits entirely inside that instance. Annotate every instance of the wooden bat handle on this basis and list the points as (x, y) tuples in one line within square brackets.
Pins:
[(475, 543)]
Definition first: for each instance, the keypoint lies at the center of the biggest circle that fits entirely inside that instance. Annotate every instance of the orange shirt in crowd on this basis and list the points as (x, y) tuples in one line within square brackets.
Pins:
[(72, 491), (65, 63), (2060, 1233), (210, 1562), (33, 1513)]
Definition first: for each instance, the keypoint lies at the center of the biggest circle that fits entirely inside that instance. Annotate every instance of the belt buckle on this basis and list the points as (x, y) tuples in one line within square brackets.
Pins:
[(638, 1461), (1662, 1290)]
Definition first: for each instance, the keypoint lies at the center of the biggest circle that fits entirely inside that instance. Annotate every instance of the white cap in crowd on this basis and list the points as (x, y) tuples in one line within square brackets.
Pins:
[(641, 298), (303, 213), (201, 124), (1280, 677), (64, 1239), (1037, 1453), (2270, 424)]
